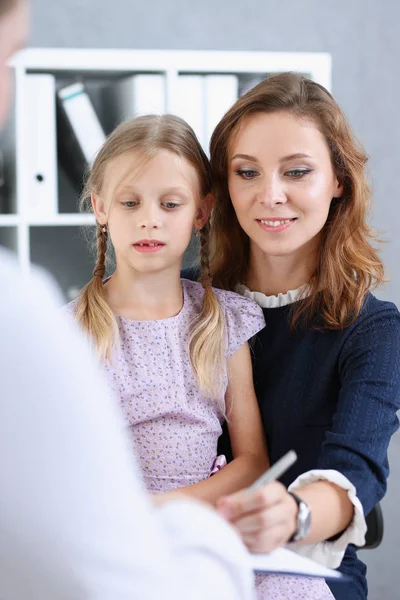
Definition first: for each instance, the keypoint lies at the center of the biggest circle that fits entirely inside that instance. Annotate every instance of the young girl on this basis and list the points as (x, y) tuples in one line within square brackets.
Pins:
[(175, 351)]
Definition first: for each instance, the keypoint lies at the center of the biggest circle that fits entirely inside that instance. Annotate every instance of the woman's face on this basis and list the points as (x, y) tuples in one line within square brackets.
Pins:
[(281, 182)]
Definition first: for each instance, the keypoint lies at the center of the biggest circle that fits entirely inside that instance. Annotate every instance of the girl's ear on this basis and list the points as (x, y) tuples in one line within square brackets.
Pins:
[(98, 208), (204, 211)]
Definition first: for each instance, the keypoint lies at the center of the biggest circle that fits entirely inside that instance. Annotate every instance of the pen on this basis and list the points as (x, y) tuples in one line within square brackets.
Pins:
[(275, 471)]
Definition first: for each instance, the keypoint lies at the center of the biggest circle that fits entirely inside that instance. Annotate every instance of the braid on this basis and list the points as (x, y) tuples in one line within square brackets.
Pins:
[(207, 337), (93, 311), (101, 242), (205, 276)]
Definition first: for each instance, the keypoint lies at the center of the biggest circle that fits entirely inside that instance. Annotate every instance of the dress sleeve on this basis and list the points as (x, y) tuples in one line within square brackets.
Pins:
[(355, 447), (243, 319)]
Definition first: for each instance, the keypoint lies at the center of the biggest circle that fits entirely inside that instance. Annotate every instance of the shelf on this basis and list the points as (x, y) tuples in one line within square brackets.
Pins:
[(63, 220), (318, 64), (9, 220), (57, 240)]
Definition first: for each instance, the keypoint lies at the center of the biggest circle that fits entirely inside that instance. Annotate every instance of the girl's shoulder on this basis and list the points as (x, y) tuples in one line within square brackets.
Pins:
[(230, 301), (243, 317)]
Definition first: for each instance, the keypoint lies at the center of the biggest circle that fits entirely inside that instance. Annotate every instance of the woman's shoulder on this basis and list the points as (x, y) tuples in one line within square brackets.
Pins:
[(375, 310), (377, 324)]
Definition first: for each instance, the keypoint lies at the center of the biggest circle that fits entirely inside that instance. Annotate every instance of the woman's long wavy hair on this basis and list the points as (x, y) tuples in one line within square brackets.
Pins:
[(149, 134), (347, 264)]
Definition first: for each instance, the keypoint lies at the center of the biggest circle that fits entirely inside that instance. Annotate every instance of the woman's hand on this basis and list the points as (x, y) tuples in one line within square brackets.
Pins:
[(265, 519), (159, 499)]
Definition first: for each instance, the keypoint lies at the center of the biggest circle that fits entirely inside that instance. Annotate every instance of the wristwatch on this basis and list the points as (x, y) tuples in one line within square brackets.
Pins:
[(303, 519)]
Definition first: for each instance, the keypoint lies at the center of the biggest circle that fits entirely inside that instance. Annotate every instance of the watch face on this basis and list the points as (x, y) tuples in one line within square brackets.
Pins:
[(303, 521)]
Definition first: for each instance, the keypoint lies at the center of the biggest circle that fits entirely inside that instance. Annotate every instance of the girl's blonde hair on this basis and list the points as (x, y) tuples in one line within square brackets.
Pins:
[(149, 134), (347, 264)]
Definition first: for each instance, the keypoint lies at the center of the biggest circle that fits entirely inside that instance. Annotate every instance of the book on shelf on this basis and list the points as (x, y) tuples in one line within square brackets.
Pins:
[(41, 164), (133, 96), (202, 100), (80, 133), (190, 104), (220, 93)]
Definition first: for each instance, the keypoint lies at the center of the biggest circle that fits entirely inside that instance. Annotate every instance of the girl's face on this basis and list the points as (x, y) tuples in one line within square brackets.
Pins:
[(150, 210), (281, 182)]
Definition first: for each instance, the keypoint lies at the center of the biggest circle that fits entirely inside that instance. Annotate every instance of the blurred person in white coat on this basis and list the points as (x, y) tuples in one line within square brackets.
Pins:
[(75, 521)]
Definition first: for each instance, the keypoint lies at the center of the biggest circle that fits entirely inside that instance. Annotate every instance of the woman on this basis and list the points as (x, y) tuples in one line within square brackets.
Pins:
[(290, 231)]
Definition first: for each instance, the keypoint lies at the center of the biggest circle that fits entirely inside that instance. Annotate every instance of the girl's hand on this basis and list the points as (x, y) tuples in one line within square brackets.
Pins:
[(265, 519)]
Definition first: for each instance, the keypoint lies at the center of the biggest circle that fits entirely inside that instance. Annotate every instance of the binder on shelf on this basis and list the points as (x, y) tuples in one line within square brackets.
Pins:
[(190, 104), (135, 95), (220, 92), (83, 119), (80, 133), (41, 144)]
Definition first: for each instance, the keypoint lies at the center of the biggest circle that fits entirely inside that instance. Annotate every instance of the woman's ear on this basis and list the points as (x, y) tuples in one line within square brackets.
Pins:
[(338, 189), (98, 208), (204, 211)]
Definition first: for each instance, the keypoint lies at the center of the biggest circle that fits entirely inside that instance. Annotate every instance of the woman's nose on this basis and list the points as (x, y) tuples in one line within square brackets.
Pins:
[(272, 192)]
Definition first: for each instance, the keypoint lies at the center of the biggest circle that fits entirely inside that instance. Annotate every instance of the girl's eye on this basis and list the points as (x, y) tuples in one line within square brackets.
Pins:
[(170, 205), (297, 173), (246, 173), (129, 204)]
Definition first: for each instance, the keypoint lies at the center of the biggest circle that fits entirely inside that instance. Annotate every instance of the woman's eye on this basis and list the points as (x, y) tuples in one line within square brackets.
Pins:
[(297, 173), (170, 205), (246, 173)]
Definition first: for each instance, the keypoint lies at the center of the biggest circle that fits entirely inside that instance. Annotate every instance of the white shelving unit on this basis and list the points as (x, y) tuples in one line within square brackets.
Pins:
[(17, 228)]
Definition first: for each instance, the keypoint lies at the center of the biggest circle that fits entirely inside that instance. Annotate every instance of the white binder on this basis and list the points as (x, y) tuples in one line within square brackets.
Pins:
[(202, 100), (190, 104), (220, 93), (83, 120), (42, 145), (138, 95)]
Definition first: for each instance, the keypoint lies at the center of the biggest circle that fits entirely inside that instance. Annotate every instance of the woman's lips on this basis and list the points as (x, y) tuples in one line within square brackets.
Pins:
[(276, 225)]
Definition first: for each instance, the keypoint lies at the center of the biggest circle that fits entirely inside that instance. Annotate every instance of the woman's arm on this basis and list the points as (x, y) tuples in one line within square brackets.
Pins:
[(354, 449), (266, 519), (246, 434)]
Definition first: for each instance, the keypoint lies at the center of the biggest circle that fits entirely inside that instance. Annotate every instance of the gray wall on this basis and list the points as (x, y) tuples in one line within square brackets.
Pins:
[(364, 40)]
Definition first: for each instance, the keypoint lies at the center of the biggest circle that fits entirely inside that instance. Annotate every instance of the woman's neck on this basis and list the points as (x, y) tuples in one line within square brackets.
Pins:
[(273, 275), (144, 296)]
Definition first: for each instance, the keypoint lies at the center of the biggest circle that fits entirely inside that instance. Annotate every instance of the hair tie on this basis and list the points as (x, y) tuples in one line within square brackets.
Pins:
[(99, 271), (206, 280)]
